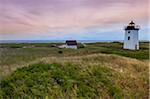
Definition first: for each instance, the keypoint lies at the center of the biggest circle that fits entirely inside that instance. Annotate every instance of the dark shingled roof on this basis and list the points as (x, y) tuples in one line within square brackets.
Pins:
[(71, 42)]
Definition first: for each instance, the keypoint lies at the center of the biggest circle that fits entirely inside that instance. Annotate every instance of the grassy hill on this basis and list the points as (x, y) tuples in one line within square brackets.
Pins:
[(44, 72)]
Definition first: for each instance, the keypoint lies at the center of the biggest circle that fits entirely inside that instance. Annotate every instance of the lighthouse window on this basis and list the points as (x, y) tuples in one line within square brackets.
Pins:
[(128, 31), (129, 38)]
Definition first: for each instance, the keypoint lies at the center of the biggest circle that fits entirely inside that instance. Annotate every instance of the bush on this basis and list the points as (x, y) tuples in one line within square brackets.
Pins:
[(17, 46), (80, 45), (53, 80), (53, 45), (60, 52)]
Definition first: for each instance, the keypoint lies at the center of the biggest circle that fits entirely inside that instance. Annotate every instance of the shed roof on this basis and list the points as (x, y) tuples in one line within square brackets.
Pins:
[(71, 42)]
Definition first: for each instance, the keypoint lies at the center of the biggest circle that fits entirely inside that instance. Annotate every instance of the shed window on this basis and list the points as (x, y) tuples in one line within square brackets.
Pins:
[(128, 31), (129, 38)]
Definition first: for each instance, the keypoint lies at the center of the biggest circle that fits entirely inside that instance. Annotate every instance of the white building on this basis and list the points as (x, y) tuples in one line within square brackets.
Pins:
[(131, 40), (71, 44)]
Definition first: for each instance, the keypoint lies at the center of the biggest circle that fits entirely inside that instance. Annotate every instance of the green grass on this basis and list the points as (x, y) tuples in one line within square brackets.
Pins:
[(13, 55), (50, 72), (116, 48), (60, 81), (89, 77), (20, 45)]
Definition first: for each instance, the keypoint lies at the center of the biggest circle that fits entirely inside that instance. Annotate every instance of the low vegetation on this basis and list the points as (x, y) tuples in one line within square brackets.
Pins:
[(117, 48), (11, 55), (60, 81), (99, 70)]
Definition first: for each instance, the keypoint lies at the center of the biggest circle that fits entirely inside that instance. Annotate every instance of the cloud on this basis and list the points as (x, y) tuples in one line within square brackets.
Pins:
[(68, 16)]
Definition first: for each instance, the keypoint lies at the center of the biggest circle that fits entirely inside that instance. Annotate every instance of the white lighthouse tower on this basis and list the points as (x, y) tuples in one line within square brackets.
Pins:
[(131, 40)]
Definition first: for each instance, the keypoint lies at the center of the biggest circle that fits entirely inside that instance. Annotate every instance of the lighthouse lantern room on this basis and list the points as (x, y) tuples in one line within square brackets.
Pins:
[(131, 40)]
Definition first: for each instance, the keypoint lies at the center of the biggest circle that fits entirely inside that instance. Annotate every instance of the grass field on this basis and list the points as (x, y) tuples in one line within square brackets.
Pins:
[(99, 70)]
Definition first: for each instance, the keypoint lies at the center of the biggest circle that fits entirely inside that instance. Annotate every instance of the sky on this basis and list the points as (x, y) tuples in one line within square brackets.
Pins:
[(71, 19)]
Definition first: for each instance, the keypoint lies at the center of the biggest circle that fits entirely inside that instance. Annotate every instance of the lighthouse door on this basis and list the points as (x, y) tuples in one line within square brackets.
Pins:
[(136, 47)]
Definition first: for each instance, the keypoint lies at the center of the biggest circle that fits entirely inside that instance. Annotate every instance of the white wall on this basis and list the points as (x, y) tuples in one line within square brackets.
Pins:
[(62, 46), (133, 43), (72, 46)]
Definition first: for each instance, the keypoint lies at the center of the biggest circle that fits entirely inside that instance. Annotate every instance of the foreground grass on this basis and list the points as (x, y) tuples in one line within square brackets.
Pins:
[(89, 76), (44, 72), (60, 81)]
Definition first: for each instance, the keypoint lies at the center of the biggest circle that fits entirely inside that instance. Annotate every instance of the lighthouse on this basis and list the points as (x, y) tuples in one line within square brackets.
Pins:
[(131, 40)]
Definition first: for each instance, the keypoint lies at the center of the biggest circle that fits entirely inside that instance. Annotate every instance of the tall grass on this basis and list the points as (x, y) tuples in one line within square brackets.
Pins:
[(91, 76), (43, 72), (70, 81)]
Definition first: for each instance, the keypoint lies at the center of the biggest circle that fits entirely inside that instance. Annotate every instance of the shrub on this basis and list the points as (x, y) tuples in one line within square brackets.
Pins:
[(60, 52), (40, 80), (80, 45), (52, 45)]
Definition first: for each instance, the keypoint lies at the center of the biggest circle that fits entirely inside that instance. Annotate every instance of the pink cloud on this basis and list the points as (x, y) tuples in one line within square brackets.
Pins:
[(41, 16)]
